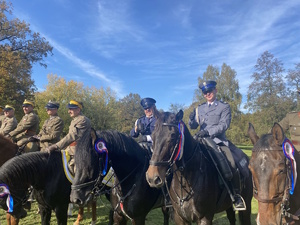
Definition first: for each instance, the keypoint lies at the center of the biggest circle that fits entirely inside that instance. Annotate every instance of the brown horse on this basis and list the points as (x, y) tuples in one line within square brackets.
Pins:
[(272, 183), (195, 190)]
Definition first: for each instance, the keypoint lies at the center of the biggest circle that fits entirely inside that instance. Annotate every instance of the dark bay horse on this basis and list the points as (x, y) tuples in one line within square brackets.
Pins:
[(133, 198), (46, 174), (195, 190), (278, 199)]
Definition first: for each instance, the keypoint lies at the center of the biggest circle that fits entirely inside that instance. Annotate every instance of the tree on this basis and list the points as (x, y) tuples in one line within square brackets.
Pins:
[(130, 110), (99, 104), (211, 73), (293, 80), (267, 96), (20, 48), (175, 107)]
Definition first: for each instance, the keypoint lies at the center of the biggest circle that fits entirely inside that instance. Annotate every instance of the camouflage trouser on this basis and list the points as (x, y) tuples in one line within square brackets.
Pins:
[(30, 146)]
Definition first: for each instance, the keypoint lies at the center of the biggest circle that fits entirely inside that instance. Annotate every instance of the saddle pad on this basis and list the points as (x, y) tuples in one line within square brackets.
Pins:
[(65, 159), (241, 160)]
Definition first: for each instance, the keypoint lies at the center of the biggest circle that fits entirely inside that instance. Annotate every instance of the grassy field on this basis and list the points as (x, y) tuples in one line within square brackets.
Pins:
[(155, 217)]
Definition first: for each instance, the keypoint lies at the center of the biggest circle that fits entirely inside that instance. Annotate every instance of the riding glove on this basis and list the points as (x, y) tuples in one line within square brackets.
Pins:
[(202, 133)]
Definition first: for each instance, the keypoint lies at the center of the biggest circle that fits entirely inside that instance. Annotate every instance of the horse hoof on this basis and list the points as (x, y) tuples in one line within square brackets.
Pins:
[(76, 223), (93, 222)]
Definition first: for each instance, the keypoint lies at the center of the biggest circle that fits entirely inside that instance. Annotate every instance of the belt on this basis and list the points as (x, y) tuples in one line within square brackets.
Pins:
[(73, 143)]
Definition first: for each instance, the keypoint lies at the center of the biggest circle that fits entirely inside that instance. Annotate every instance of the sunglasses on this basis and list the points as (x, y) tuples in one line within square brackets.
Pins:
[(208, 91)]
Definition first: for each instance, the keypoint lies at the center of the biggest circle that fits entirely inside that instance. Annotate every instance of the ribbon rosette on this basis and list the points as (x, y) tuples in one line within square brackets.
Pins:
[(100, 148), (4, 191), (289, 150)]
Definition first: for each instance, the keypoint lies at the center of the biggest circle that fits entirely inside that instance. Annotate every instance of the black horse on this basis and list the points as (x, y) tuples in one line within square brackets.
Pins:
[(135, 198), (196, 191), (45, 173)]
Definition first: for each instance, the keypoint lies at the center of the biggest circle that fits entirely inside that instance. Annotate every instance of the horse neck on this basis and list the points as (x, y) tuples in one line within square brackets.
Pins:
[(24, 171), (128, 170), (190, 145)]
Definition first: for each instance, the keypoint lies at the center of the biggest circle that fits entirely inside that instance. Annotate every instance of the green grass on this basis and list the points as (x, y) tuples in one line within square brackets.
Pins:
[(155, 217)]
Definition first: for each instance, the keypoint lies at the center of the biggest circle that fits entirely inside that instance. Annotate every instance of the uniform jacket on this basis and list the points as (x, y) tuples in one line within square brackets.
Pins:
[(8, 124), (26, 128), (51, 131), (291, 122), (215, 119), (79, 125), (149, 125)]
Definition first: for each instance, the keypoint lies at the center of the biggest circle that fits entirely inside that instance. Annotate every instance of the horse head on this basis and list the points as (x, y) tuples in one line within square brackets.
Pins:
[(10, 205), (271, 175), (166, 138), (90, 163)]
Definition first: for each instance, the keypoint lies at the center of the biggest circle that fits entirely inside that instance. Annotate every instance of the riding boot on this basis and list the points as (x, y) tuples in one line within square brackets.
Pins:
[(239, 203)]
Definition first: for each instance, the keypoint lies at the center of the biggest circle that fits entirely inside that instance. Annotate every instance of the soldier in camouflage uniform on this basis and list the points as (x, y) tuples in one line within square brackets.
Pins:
[(291, 122), (26, 128), (80, 125), (52, 127), (9, 123)]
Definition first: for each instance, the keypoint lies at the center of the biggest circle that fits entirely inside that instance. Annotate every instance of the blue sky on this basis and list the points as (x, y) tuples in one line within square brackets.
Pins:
[(159, 48)]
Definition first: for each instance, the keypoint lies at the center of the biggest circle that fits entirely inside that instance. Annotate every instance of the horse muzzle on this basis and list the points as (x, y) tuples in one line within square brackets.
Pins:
[(153, 178)]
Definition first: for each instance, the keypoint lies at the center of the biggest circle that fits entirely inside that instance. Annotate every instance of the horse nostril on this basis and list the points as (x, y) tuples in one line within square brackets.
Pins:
[(78, 202), (157, 180)]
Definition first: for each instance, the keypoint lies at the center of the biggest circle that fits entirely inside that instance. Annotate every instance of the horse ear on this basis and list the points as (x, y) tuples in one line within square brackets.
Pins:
[(278, 133), (179, 115), (252, 134)]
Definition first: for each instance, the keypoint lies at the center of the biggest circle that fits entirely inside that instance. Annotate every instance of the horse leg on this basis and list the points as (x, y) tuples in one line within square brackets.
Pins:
[(119, 219), (139, 221), (111, 217), (61, 214), (11, 220), (231, 215), (79, 216), (45, 215), (165, 210), (179, 221), (94, 211)]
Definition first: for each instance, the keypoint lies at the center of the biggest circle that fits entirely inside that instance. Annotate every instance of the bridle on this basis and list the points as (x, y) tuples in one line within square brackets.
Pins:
[(283, 197), (171, 160), (95, 183)]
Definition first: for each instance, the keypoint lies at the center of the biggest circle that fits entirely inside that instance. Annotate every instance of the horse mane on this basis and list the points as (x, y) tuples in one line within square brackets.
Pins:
[(27, 168), (122, 144)]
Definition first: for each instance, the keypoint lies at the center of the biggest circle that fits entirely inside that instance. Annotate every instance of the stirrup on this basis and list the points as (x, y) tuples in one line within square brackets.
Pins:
[(242, 204)]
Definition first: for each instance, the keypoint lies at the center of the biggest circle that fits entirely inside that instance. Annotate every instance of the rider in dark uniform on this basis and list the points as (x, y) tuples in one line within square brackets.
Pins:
[(214, 117), (144, 126)]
